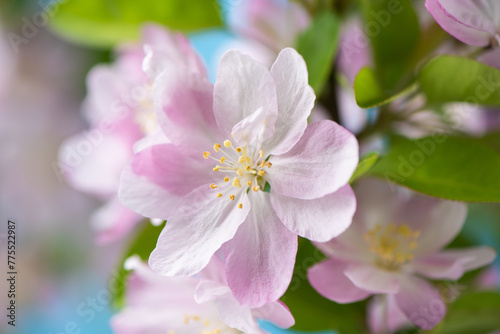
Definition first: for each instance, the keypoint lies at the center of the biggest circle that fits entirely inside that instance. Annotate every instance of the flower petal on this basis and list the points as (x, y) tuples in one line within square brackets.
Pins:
[(295, 101), (236, 315), (183, 101), (319, 219), (420, 302), (167, 167), (168, 49), (200, 224), (277, 313), (145, 197), (452, 264), (242, 87), (463, 19), (385, 316), (319, 164), (261, 256), (372, 279), (113, 221), (253, 129), (328, 278)]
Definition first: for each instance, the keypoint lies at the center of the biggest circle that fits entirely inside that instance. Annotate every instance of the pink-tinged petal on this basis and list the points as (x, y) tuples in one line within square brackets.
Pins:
[(452, 264), (420, 302), (491, 58), (145, 197), (95, 161), (201, 223), (463, 19), (207, 291), (113, 221), (328, 278), (253, 129), (384, 315), (373, 279), (155, 138), (167, 167), (319, 164), (242, 87), (215, 270), (295, 101), (168, 49), (275, 24), (261, 256), (319, 219), (237, 316), (277, 313), (184, 110)]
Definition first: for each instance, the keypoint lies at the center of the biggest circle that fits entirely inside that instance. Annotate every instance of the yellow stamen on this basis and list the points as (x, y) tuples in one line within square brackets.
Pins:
[(206, 154), (256, 188), (216, 147), (261, 172), (215, 169), (227, 143), (226, 179), (261, 153), (249, 183), (239, 172), (231, 197), (213, 186), (240, 206), (219, 194), (222, 160), (236, 183), (238, 149)]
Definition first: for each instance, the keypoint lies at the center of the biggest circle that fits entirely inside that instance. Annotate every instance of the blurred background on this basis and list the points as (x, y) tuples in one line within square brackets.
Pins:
[(63, 273)]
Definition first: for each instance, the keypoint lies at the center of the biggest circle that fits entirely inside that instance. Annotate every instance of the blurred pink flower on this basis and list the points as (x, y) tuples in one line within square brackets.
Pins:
[(186, 305), (119, 108), (472, 22), (275, 24), (208, 200), (396, 237)]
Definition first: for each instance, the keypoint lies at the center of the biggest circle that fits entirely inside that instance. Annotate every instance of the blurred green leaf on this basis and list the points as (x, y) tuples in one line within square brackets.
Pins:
[(394, 31), (477, 313), (318, 45), (364, 166), (142, 246), (369, 93), (106, 23), (455, 79), (492, 140), (306, 304), (441, 166)]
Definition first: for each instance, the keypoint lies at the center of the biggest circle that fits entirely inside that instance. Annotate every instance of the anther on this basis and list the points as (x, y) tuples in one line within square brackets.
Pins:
[(215, 169), (227, 143), (249, 183), (256, 188), (219, 194), (213, 186), (206, 154), (240, 206), (216, 147), (261, 153), (222, 160), (239, 172), (231, 197), (238, 149), (226, 179), (261, 172), (236, 182)]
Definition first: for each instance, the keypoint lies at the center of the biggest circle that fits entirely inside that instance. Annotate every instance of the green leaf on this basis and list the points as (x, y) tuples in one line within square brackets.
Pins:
[(364, 166), (106, 23), (313, 312), (369, 93), (441, 166), (394, 31), (142, 246), (455, 79), (318, 45), (476, 313)]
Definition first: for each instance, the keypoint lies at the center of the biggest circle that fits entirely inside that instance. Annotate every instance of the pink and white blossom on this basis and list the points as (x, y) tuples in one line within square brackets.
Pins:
[(396, 239), (119, 108), (187, 305), (228, 142), (472, 22)]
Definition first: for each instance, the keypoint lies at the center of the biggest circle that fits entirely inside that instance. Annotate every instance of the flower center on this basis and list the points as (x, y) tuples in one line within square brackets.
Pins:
[(392, 245), (200, 325), (244, 168)]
